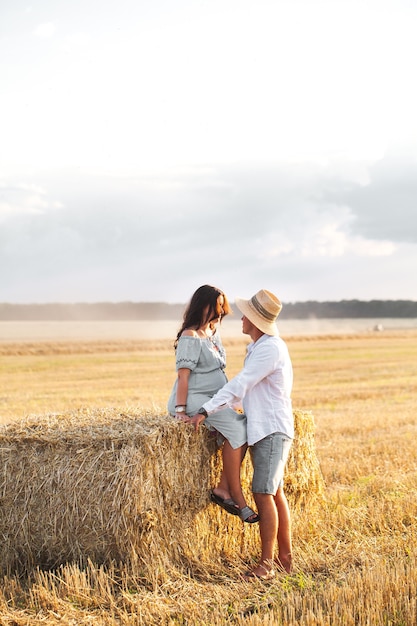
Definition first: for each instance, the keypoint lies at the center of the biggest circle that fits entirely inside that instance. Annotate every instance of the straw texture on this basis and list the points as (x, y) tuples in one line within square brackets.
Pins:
[(106, 486)]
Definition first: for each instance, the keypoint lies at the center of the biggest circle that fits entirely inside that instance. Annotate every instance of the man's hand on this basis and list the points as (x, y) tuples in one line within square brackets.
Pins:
[(195, 421)]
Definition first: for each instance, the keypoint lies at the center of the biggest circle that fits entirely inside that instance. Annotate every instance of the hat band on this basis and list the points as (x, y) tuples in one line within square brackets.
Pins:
[(260, 309)]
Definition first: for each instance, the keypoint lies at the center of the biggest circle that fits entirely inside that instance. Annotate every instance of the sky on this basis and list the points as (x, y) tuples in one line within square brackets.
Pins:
[(150, 147)]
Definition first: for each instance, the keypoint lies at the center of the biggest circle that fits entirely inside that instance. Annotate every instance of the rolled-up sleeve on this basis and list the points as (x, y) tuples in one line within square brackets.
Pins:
[(264, 386)]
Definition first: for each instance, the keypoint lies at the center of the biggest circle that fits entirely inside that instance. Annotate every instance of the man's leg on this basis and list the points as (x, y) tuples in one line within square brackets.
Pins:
[(284, 531), (268, 528), (269, 457)]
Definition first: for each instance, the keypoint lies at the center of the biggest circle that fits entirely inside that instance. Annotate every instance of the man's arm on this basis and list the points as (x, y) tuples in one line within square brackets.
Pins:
[(197, 419), (260, 363), (258, 366)]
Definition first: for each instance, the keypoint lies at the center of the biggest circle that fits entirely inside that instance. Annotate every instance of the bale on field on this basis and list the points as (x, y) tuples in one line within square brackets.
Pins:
[(105, 486)]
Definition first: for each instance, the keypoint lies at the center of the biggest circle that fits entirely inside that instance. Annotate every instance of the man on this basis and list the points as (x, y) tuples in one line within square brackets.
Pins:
[(264, 387)]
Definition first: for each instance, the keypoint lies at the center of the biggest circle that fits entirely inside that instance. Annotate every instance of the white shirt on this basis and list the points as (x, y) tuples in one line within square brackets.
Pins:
[(264, 387)]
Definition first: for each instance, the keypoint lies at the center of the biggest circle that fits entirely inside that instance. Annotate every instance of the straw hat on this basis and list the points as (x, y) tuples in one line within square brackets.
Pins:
[(262, 310)]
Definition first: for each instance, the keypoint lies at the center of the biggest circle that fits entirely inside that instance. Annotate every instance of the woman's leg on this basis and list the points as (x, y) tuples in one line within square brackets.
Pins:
[(229, 485)]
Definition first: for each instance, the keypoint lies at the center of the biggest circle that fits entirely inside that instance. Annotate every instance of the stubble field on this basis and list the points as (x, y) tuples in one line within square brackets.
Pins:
[(354, 554)]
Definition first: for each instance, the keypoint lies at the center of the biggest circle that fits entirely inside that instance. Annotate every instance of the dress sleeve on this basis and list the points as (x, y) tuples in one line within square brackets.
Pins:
[(188, 352)]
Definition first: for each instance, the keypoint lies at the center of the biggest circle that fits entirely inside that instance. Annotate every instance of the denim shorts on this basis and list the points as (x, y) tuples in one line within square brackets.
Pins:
[(269, 457)]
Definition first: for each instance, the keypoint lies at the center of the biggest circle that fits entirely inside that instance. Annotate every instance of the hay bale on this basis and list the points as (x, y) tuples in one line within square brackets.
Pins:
[(303, 479), (107, 486)]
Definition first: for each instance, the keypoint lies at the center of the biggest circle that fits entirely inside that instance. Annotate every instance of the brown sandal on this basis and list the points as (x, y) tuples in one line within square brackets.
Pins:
[(250, 575)]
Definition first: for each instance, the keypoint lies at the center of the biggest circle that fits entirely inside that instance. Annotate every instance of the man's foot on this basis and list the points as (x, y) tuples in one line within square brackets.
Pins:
[(260, 572), (284, 563)]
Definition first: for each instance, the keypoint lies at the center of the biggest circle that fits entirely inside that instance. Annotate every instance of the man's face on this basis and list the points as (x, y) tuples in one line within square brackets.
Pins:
[(247, 326)]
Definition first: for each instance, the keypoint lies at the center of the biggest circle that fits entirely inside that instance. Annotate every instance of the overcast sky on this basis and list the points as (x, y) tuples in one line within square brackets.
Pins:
[(150, 146)]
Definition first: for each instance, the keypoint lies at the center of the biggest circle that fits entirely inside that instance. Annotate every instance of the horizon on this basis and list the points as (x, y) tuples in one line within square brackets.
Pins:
[(177, 303)]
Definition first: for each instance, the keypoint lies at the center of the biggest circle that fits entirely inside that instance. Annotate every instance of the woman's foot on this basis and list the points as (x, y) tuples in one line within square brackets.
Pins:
[(223, 499), (248, 515), (227, 504), (221, 493)]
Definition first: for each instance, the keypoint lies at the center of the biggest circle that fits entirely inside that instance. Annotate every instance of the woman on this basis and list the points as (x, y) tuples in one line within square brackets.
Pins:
[(200, 363)]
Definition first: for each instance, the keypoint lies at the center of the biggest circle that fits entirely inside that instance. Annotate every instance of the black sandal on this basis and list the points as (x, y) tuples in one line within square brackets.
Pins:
[(247, 515), (227, 504)]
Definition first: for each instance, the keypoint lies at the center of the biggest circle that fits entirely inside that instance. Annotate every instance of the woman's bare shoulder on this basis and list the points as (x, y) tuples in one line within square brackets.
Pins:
[(189, 332)]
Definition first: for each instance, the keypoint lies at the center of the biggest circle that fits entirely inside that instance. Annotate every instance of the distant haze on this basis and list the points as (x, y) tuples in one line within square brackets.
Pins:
[(155, 330), (152, 311)]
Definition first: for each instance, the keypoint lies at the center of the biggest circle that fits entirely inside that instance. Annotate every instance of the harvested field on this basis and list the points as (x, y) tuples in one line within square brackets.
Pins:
[(355, 552)]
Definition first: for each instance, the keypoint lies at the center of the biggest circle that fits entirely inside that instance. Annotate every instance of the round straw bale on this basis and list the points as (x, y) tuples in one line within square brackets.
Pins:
[(105, 486)]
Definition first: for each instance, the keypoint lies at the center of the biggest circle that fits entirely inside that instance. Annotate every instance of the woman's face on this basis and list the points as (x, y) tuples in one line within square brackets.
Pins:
[(217, 315), (219, 307), (220, 303)]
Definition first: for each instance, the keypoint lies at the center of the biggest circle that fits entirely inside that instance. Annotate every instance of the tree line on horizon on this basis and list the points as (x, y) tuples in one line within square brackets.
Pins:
[(119, 311)]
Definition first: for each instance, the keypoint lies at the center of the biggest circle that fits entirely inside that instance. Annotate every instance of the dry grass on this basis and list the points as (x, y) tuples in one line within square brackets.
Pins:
[(39, 378), (105, 486), (355, 553)]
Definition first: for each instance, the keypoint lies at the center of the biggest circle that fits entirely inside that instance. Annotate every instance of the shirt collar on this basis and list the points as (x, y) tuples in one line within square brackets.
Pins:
[(261, 339)]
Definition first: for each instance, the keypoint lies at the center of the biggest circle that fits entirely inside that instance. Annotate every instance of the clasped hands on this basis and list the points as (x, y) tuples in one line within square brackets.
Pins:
[(194, 421)]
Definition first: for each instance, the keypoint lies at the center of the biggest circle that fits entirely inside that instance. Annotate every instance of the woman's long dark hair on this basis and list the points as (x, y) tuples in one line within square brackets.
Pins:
[(195, 314)]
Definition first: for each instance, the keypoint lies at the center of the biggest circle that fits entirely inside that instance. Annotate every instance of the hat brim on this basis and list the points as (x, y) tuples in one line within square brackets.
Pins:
[(245, 307)]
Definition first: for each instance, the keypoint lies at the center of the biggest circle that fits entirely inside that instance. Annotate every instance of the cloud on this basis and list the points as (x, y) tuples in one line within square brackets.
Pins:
[(85, 236), (23, 199), (45, 30), (384, 207), (255, 181)]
